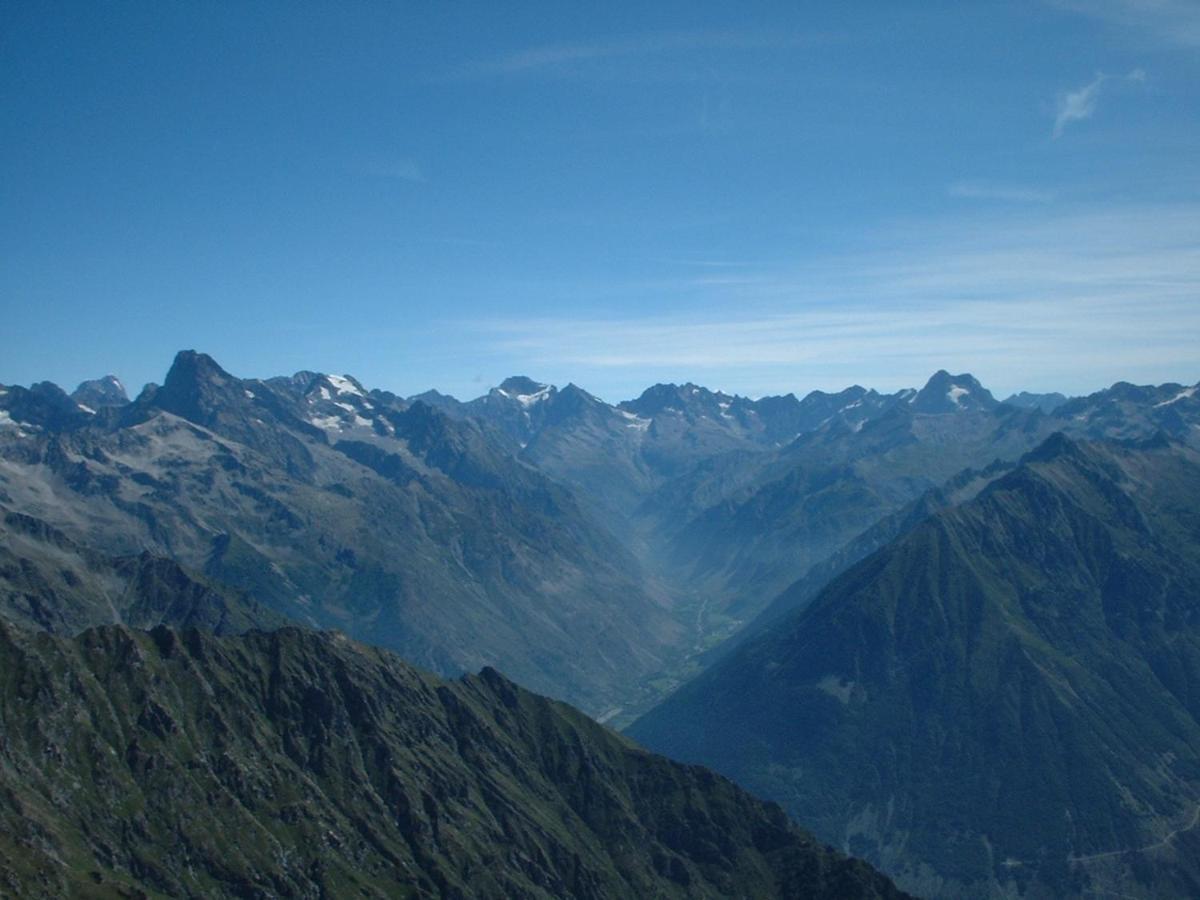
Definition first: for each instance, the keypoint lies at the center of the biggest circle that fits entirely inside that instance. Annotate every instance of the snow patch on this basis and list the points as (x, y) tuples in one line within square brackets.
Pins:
[(87, 409), (328, 423), (249, 394), (6, 421), (1182, 395), (956, 394), (837, 687), (526, 400), (635, 421), (343, 385)]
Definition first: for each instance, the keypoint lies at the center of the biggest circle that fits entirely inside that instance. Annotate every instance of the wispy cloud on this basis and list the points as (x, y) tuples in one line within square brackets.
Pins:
[(704, 262), (561, 56), (1080, 104), (1171, 21), (1005, 193), (1069, 302)]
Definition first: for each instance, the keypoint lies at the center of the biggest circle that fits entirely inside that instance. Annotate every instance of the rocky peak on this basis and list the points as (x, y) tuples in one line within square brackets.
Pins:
[(524, 390), (1045, 402), (44, 405), (946, 393), (196, 388), (690, 399), (101, 392)]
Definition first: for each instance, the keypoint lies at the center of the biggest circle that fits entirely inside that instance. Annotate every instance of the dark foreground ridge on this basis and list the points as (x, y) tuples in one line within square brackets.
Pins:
[(295, 763)]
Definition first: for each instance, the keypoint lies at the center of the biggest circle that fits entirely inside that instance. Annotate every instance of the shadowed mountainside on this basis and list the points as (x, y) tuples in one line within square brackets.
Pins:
[(303, 764), (1006, 697)]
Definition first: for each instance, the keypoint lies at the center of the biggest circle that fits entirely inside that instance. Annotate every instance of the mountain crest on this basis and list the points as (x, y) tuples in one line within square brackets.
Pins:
[(1057, 446), (100, 392), (525, 390), (196, 388), (685, 398), (946, 393)]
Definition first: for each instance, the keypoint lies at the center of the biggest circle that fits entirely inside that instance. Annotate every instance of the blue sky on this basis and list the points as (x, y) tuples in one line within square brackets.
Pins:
[(758, 197)]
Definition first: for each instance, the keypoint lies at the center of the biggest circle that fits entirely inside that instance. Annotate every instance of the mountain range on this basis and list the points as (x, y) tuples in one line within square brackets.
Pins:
[(593, 551), (336, 508), (953, 635)]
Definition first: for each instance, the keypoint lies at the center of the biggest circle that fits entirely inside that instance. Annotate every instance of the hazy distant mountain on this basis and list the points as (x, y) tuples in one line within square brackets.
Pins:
[(439, 401), (302, 764), (811, 497), (1003, 699), (332, 507), (1045, 402), (106, 391), (945, 393), (769, 421), (755, 526), (1128, 410)]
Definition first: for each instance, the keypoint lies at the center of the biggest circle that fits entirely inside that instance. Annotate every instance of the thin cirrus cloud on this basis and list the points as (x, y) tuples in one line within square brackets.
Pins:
[(554, 57), (1171, 21), (1070, 302), (1080, 104), (1004, 193)]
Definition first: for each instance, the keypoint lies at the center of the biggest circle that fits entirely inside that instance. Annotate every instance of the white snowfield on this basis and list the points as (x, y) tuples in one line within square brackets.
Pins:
[(956, 394), (635, 421), (7, 421), (343, 385), (1182, 395), (528, 400)]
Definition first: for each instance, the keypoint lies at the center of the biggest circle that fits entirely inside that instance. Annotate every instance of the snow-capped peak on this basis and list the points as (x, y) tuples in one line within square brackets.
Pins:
[(525, 391), (344, 384), (530, 399)]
